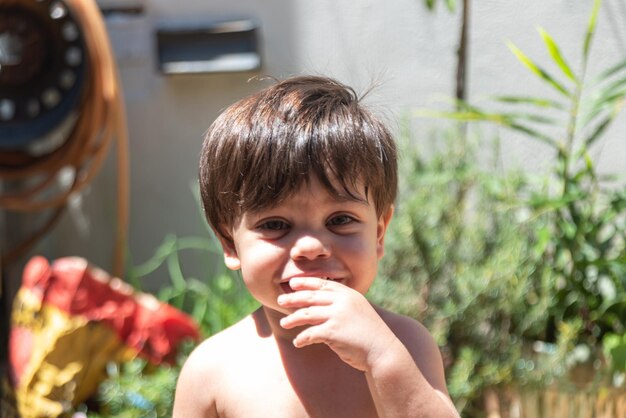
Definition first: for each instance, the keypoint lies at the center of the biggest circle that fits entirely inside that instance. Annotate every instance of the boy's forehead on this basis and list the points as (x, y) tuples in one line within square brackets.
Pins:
[(313, 188), (339, 191)]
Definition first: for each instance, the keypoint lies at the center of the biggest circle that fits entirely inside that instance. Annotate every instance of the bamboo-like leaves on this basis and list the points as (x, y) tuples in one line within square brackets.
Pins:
[(607, 96), (591, 27), (555, 53), (604, 103), (599, 130), (579, 240), (608, 73), (589, 114), (593, 112), (533, 101), (514, 120), (536, 69)]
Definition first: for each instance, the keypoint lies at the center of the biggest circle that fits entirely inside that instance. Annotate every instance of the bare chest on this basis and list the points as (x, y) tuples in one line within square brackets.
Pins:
[(321, 392)]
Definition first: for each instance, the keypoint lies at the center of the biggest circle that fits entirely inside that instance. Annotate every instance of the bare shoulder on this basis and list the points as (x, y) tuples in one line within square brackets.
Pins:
[(420, 344), (411, 332), (198, 389)]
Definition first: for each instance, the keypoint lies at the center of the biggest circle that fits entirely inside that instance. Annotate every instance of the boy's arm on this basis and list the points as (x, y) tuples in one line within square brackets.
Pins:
[(405, 378), (193, 398), (405, 384)]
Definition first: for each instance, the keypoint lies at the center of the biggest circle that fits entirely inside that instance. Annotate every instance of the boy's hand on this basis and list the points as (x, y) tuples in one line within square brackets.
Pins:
[(337, 316)]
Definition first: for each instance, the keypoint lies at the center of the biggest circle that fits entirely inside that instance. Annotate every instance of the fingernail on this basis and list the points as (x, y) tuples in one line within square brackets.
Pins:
[(281, 299)]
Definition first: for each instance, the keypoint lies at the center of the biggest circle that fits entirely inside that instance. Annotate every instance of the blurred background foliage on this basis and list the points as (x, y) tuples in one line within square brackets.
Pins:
[(521, 276)]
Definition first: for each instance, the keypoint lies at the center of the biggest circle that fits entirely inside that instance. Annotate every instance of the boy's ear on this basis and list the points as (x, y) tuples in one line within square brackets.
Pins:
[(231, 258), (383, 223)]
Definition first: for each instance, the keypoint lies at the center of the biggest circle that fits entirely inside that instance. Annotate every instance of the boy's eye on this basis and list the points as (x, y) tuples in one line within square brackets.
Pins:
[(274, 225), (340, 220)]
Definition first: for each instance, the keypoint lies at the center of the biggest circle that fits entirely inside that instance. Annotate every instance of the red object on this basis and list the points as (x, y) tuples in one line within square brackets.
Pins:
[(142, 322)]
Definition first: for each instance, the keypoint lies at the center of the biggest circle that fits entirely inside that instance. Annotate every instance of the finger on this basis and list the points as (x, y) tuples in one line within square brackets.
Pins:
[(311, 283), (310, 336), (312, 315), (303, 298)]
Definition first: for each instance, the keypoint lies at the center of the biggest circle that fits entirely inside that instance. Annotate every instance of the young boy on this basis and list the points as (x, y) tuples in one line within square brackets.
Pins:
[(298, 181)]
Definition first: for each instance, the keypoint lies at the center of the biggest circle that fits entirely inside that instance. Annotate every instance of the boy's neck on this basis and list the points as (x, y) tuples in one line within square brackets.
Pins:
[(268, 324)]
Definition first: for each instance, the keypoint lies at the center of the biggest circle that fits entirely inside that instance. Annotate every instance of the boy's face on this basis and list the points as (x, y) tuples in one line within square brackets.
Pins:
[(310, 234)]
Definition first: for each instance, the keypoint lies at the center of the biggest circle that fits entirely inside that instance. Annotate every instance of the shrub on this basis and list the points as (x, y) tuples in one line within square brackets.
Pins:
[(521, 277)]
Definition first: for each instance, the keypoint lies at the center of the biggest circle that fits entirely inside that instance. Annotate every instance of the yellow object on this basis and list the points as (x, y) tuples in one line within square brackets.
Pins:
[(68, 359), (69, 320)]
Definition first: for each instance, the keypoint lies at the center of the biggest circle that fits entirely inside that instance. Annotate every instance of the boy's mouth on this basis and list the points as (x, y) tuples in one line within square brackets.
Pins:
[(287, 289)]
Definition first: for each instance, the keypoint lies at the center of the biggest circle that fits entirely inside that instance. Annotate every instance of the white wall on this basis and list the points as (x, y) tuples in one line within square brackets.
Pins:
[(397, 42)]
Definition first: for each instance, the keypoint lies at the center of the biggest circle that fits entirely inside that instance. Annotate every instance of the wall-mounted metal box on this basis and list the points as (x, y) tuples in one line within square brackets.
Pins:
[(217, 47)]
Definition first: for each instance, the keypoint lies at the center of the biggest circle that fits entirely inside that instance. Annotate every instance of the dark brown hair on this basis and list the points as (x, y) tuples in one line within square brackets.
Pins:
[(261, 149)]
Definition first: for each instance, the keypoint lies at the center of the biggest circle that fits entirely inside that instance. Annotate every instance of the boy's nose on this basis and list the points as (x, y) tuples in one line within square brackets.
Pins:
[(309, 247)]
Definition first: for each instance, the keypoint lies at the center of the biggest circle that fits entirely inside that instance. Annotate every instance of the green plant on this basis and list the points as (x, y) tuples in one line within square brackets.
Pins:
[(521, 277), (136, 390), (457, 260), (580, 239), (615, 348), (217, 300), (214, 303)]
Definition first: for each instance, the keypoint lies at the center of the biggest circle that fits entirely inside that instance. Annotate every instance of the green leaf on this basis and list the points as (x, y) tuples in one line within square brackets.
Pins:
[(195, 243), (545, 203), (591, 27), (451, 5), (534, 134), (462, 115), (556, 55), (588, 162), (593, 137), (162, 252), (615, 348), (175, 271), (510, 120), (533, 67), (541, 119), (617, 86), (608, 73), (543, 236), (200, 307), (535, 101), (166, 294), (609, 101)]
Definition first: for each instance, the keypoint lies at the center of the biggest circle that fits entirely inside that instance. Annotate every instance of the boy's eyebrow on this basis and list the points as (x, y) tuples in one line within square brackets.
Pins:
[(352, 195), (334, 197), (346, 197)]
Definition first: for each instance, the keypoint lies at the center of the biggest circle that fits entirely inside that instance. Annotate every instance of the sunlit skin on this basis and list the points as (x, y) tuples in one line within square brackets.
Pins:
[(316, 347)]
